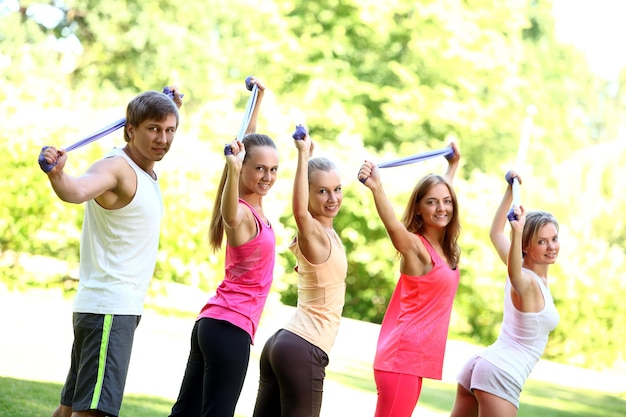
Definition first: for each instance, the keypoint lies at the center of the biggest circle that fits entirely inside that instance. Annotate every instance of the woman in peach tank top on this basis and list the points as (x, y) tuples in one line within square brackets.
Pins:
[(294, 359)]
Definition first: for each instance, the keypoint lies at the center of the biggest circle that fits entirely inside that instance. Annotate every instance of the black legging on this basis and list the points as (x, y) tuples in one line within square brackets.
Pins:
[(292, 377), (216, 369)]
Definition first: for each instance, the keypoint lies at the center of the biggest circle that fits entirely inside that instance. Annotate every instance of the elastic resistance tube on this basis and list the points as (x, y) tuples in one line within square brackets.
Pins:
[(447, 152), (527, 128), (517, 195), (46, 167), (247, 115)]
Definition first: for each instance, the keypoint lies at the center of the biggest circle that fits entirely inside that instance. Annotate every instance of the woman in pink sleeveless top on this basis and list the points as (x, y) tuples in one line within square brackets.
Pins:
[(414, 331), (226, 325)]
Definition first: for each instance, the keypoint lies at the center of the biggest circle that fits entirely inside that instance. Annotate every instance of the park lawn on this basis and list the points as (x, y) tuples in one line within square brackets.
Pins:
[(21, 398)]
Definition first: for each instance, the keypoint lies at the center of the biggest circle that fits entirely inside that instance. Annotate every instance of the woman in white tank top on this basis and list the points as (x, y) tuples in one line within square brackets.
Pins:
[(490, 383)]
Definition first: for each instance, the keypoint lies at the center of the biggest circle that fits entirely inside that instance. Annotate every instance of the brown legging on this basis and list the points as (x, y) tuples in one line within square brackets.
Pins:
[(292, 377)]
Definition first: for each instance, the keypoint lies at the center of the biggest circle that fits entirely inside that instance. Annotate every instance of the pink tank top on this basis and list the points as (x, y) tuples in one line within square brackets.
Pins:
[(414, 331), (241, 296)]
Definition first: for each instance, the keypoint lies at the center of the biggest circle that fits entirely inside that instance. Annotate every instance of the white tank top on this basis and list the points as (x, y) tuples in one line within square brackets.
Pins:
[(523, 336), (118, 249)]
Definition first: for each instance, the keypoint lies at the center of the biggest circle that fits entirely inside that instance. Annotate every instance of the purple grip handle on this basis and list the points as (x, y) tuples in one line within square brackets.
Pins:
[(43, 164), (508, 178), (249, 82), (300, 133), (168, 92), (511, 215), (227, 150)]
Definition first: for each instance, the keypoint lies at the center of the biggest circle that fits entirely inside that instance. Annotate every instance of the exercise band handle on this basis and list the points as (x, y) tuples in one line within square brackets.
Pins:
[(299, 133)]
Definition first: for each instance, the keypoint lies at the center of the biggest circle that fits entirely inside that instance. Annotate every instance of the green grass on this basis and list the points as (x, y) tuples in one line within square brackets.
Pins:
[(539, 399), (20, 398)]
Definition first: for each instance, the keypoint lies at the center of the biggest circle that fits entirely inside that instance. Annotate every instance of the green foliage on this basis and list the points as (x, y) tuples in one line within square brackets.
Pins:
[(375, 80)]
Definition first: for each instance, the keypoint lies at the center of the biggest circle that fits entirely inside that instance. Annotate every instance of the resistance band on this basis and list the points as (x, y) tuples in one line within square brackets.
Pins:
[(46, 167), (527, 128), (447, 152), (247, 115)]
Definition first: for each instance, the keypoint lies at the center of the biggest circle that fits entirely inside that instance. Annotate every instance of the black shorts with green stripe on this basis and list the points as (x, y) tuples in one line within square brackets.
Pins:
[(100, 357)]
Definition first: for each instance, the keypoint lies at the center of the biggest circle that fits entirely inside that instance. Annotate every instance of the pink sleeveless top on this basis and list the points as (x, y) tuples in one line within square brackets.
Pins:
[(241, 296), (414, 331)]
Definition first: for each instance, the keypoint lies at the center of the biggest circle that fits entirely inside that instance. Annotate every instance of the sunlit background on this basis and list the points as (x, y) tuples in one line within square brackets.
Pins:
[(372, 80)]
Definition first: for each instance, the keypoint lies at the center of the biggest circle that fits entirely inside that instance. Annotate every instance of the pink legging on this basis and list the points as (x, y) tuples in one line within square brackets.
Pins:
[(397, 393)]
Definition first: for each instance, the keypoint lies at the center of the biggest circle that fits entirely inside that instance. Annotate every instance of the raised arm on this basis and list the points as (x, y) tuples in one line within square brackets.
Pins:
[(453, 162), (312, 237), (239, 223), (402, 239), (500, 241), (102, 177), (522, 283)]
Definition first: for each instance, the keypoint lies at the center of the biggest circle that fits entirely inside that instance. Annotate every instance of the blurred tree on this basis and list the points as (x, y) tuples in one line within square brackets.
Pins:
[(373, 80)]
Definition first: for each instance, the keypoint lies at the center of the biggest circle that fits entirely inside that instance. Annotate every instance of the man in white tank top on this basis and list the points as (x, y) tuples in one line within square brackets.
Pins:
[(118, 251)]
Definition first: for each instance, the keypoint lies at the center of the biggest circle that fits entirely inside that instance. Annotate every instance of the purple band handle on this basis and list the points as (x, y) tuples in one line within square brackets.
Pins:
[(249, 84), (43, 164), (509, 178), (227, 150), (511, 215), (46, 167), (170, 93), (300, 133)]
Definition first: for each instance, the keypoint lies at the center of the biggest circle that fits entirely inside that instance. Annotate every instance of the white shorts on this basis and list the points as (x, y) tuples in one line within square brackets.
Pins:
[(479, 373)]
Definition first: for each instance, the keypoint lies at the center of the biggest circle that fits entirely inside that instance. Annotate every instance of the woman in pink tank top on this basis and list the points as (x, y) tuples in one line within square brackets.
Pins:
[(414, 331), (225, 328)]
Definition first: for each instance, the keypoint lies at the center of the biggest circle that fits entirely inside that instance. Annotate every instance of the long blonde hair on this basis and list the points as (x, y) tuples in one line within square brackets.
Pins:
[(216, 227)]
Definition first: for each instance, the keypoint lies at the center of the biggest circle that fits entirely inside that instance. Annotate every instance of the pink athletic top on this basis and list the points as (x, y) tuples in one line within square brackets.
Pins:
[(241, 296), (414, 331)]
